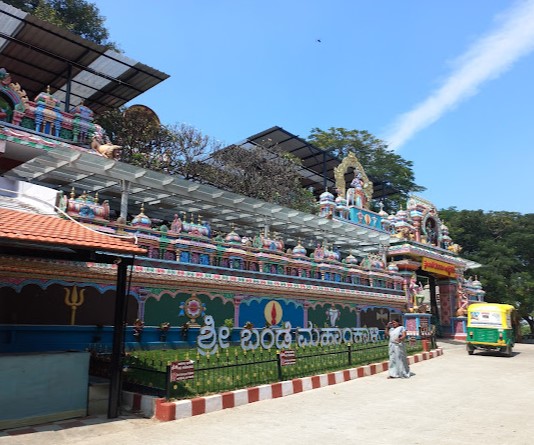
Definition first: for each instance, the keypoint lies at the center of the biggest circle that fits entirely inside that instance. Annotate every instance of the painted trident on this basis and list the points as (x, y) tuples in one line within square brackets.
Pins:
[(73, 300)]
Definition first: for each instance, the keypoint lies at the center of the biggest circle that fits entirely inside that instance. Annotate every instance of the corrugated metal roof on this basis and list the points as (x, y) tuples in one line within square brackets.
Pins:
[(162, 195), (40, 55), (318, 165)]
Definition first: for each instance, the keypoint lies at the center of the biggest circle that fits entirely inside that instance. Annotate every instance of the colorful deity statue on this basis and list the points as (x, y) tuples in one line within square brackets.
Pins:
[(373, 262), (355, 194), (272, 242), (361, 188), (176, 225), (415, 293), (318, 253)]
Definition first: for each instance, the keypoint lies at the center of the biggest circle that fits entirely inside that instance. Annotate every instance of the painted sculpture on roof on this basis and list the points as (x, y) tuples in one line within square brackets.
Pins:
[(420, 244), (351, 204), (44, 115), (84, 207), (360, 192), (420, 222), (107, 149)]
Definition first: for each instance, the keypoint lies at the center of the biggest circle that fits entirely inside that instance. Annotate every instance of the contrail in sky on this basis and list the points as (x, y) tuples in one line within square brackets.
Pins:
[(486, 59)]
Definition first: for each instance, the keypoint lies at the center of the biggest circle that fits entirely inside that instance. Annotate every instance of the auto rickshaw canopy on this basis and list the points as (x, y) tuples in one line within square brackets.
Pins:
[(490, 315)]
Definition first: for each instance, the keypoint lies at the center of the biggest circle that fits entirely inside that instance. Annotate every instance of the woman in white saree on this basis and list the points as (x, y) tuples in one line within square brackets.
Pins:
[(398, 362)]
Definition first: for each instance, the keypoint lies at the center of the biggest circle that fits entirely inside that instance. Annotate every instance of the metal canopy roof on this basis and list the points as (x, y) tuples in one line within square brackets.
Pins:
[(40, 55), (317, 165), (164, 195)]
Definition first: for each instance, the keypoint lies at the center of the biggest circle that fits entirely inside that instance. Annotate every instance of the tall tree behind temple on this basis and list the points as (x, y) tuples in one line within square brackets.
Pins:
[(378, 161), (503, 242), (174, 149), (266, 173), (78, 16)]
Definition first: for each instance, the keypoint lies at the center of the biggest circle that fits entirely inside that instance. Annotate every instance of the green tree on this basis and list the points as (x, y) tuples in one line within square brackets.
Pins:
[(379, 162), (269, 174), (174, 149), (503, 243), (266, 173), (78, 16)]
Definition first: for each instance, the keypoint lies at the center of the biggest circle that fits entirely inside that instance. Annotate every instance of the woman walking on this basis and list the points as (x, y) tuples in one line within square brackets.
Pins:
[(398, 362)]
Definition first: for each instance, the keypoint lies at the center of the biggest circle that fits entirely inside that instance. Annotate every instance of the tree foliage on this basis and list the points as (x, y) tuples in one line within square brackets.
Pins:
[(174, 149), (503, 243), (380, 163), (266, 173), (263, 173), (78, 16)]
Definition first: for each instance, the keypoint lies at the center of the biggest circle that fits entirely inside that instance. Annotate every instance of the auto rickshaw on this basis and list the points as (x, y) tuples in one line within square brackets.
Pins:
[(492, 327)]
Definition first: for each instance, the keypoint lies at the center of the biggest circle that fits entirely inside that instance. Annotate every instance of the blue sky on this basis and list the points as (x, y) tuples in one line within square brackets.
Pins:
[(448, 84)]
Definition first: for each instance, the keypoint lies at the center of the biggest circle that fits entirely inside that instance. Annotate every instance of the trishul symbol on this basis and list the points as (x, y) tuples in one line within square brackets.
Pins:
[(382, 316), (73, 300)]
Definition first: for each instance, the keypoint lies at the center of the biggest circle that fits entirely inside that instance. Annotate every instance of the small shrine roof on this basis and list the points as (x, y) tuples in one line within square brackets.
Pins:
[(40, 55), (29, 229)]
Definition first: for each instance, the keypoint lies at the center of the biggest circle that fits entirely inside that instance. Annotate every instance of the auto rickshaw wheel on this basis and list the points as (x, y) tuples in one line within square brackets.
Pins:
[(508, 351), (470, 349)]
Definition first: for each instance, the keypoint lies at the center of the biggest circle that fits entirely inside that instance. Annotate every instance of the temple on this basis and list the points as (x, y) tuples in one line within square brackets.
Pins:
[(208, 251), (99, 255)]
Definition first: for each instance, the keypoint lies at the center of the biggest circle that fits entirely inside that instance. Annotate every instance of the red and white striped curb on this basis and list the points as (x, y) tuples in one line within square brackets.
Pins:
[(165, 411)]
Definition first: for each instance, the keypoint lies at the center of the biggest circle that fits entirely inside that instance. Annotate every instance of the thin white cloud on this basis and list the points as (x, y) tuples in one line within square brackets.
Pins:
[(486, 59)]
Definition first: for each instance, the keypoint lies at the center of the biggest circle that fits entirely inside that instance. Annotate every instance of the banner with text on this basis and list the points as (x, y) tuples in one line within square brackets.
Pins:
[(438, 267)]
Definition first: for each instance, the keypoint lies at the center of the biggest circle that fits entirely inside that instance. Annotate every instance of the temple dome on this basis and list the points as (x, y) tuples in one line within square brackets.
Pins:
[(142, 220), (326, 197), (299, 250), (233, 237)]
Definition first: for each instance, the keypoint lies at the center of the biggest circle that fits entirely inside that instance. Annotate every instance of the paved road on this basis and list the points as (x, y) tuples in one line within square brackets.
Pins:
[(453, 399)]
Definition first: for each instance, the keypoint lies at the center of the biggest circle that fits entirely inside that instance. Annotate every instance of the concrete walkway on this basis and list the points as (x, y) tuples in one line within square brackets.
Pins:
[(485, 399)]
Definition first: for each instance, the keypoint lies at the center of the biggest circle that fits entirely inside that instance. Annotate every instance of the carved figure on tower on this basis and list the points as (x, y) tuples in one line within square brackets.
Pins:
[(355, 194), (415, 291), (360, 191), (108, 150)]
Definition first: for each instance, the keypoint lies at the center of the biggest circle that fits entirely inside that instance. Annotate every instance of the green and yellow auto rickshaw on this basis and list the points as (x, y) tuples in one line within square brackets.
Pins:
[(492, 327)]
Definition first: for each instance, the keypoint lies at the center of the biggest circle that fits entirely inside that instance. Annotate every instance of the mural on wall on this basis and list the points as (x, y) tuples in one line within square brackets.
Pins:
[(178, 308), (326, 315), (61, 303), (74, 299), (375, 317), (273, 313), (267, 311), (193, 308)]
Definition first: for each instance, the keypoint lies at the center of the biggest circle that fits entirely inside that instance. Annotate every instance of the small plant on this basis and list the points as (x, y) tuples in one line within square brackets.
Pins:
[(138, 327), (229, 323), (185, 329), (164, 328)]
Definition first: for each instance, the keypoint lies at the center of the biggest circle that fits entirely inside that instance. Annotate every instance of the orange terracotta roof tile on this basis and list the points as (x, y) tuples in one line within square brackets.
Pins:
[(27, 227)]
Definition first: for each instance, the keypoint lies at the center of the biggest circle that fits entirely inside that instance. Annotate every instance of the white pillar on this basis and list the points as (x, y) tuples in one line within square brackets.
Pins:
[(124, 199)]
